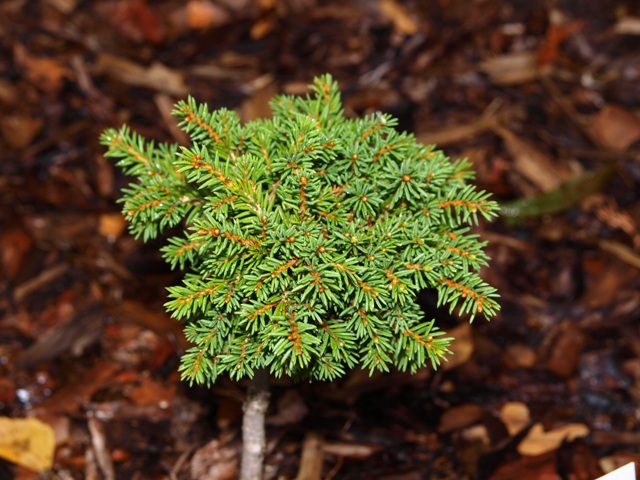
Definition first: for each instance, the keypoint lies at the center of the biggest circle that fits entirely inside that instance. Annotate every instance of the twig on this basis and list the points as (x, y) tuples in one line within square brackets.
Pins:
[(312, 458)]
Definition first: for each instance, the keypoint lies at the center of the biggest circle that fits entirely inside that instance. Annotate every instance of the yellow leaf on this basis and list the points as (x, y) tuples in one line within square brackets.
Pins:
[(27, 442)]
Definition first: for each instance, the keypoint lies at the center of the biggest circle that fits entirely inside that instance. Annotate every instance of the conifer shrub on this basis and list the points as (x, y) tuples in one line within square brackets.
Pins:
[(306, 237)]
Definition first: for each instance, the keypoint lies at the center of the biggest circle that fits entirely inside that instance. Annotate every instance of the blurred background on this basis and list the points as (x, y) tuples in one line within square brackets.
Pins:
[(542, 96)]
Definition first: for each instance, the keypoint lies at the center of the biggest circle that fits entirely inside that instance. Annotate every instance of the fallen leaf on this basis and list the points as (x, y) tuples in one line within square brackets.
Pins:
[(532, 163), (111, 225), (560, 349), (257, 105), (511, 68), (350, 450), (462, 347), (402, 21), (156, 77), (538, 441), (202, 14), (557, 33), (515, 416), (217, 460), (46, 73), (64, 6), (542, 467), (151, 392), (460, 416), (520, 355), (134, 19), (28, 442), (627, 26), (615, 127), (15, 245), (621, 251), (165, 107), (291, 410), (19, 130)]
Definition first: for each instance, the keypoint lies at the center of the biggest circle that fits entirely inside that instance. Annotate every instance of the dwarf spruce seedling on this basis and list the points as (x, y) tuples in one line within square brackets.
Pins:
[(306, 238)]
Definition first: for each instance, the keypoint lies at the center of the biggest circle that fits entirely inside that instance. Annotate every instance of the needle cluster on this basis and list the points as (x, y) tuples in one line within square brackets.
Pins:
[(306, 237)]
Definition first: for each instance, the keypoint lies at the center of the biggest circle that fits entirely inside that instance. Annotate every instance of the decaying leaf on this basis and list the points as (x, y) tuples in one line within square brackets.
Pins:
[(515, 416), (27, 442), (538, 441), (156, 77), (615, 127)]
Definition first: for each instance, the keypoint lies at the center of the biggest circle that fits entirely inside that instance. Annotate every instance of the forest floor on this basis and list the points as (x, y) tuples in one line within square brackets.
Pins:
[(542, 96)]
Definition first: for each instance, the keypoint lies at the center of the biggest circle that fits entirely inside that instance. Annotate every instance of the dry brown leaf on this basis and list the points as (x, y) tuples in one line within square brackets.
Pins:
[(460, 416), (520, 355), (560, 349), (156, 77), (46, 73), (217, 460), (151, 392), (515, 416), (19, 130), (134, 19), (165, 107), (621, 251), (291, 410), (64, 6), (615, 127), (398, 15), (257, 105), (476, 434), (350, 450), (28, 442), (111, 225), (511, 68), (202, 14), (607, 279), (538, 441), (15, 245), (462, 347), (627, 26), (263, 26), (532, 163)]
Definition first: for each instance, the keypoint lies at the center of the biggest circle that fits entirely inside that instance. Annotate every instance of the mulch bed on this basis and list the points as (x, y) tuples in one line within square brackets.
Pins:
[(542, 97)]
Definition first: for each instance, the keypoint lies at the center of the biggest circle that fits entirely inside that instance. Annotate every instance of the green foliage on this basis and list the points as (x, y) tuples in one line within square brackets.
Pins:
[(306, 237)]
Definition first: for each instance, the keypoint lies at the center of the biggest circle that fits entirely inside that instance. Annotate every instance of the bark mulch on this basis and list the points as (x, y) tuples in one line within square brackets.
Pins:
[(542, 96)]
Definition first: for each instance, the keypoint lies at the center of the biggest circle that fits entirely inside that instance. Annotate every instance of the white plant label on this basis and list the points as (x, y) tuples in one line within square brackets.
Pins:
[(627, 472)]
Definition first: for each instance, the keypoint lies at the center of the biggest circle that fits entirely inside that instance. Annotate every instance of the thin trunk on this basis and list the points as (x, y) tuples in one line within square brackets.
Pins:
[(253, 430)]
